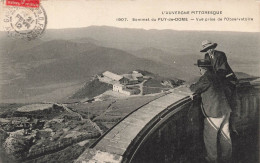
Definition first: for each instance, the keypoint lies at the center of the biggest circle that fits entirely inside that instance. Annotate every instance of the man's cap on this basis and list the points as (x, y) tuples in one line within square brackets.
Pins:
[(203, 63), (206, 45)]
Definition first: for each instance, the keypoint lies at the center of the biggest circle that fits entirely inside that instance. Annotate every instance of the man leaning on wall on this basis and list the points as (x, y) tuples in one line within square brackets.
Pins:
[(216, 109), (221, 67)]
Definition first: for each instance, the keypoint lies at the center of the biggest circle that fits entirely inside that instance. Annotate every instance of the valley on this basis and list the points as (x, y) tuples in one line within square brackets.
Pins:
[(60, 93)]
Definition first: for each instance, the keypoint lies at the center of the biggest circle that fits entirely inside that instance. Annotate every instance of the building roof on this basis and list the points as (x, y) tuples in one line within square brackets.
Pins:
[(128, 76), (119, 85), (137, 75), (112, 75)]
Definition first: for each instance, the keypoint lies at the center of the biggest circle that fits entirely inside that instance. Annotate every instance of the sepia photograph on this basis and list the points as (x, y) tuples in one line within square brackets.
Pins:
[(129, 81)]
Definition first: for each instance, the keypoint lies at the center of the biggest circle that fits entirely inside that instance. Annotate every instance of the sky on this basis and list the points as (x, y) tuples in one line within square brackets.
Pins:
[(83, 13)]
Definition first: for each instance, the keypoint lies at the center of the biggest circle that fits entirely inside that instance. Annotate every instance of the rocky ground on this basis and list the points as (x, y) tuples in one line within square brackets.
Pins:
[(27, 136), (52, 133), (60, 132)]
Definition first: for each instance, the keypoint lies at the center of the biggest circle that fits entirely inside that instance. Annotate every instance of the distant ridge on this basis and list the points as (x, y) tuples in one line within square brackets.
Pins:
[(56, 62), (74, 55)]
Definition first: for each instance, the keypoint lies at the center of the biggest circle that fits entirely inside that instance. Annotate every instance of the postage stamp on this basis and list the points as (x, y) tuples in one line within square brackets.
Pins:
[(23, 3), (24, 23)]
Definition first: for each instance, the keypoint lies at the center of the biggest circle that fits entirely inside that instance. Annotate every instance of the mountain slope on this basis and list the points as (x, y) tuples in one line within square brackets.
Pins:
[(93, 61), (176, 42), (52, 61), (184, 63), (73, 63), (54, 49), (242, 48)]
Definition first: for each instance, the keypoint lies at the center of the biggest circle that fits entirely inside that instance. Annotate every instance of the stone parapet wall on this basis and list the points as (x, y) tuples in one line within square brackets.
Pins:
[(169, 128)]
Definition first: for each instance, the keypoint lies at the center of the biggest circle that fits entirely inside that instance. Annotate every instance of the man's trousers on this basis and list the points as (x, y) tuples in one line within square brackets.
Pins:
[(217, 139)]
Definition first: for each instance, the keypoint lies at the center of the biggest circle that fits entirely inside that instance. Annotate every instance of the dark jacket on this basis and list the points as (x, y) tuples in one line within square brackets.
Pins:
[(221, 66), (226, 75), (214, 102)]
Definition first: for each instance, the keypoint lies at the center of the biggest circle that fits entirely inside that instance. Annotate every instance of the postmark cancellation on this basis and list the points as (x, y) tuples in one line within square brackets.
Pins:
[(24, 22)]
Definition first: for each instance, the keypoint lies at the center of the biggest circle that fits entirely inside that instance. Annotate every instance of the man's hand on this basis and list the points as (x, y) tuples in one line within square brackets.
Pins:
[(191, 96), (234, 130)]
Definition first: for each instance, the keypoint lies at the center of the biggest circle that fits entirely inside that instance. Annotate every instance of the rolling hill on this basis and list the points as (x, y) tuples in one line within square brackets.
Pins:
[(69, 65), (242, 48), (184, 63), (175, 42), (34, 68), (53, 63), (54, 49), (235, 44)]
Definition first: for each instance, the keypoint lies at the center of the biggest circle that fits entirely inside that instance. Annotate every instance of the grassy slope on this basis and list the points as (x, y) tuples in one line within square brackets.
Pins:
[(59, 61), (107, 113), (61, 64), (174, 42), (153, 85), (91, 89), (241, 54)]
